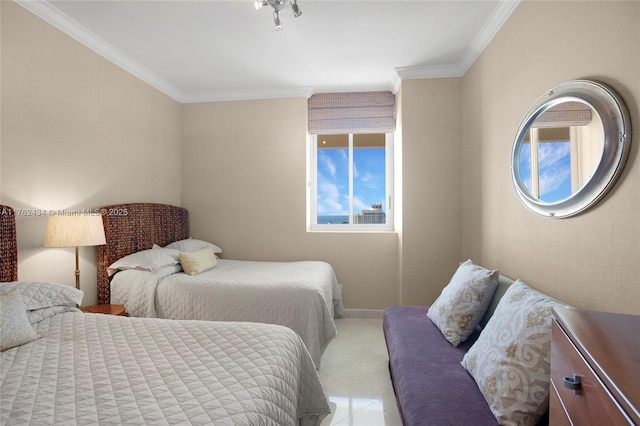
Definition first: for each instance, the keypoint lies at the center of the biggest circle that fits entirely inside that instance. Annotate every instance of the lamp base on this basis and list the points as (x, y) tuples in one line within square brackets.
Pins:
[(77, 269)]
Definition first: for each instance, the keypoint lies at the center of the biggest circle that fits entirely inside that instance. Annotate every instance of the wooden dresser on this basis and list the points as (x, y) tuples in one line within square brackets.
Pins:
[(595, 368)]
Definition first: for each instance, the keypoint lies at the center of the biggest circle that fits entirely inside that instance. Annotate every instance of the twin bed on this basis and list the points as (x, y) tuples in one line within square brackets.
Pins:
[(303, 296), (63, 366)]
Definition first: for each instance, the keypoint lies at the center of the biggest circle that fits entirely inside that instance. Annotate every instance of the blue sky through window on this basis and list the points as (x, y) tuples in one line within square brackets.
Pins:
[(554, 159), (333, 180)]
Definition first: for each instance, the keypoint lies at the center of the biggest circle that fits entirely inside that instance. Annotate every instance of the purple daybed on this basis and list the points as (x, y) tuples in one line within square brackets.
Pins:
[(431, 386)]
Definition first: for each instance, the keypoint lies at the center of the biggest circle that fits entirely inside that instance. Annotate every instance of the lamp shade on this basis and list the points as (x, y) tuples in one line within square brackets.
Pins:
[(74, 231)]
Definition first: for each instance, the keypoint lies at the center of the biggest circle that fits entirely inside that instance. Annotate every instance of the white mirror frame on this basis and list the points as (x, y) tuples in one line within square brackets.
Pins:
[(617, 142)]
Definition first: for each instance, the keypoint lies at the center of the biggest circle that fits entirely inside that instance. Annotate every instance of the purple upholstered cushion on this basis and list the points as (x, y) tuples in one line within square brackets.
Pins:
[(432, 388)]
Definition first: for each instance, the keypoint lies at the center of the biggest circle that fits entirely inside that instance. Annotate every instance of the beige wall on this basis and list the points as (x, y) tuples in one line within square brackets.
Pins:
[(591, 260), (244, 183), (431, 180), (77, 133)]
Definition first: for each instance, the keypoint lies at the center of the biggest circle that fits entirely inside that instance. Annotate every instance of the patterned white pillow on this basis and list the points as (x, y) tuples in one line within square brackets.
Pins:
[(15, 328), (194, 262), (463, 302), (510, 359)]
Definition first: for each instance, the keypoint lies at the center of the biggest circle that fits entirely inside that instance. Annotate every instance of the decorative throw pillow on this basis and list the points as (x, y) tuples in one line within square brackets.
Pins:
[(194, 262), (463, 302), (15, 328), (510, 359)]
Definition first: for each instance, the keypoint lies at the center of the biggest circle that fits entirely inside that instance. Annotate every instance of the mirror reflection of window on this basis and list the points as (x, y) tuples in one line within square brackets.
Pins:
[(561, 151)]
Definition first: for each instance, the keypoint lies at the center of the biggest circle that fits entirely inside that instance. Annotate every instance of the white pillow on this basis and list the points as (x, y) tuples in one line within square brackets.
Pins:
[(146, 260), (510, 359), (15, 328), (175, 254), (191, 244), (194, 262), (463, 302), (44, 300), (36, 295), (165, 271)]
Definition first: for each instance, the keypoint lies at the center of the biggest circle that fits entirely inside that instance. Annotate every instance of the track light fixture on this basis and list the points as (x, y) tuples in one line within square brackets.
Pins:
[(278, 5)]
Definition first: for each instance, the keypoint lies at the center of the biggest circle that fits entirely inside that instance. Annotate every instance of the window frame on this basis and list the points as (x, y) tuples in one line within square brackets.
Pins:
[(312, 190)]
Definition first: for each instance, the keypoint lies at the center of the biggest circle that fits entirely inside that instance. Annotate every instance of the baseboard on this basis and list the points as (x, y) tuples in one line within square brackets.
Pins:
[(363, 313)]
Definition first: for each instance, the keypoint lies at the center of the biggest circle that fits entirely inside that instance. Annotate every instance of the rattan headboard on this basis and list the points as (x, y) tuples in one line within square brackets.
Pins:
[(8, 245), (129, 228)]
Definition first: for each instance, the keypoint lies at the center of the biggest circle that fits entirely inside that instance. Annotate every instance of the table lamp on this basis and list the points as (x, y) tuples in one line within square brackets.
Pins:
[(74, 231)]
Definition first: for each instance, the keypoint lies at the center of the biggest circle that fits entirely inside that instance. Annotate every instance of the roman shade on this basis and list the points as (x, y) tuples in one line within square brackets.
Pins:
[(354, 112), (565, 114)]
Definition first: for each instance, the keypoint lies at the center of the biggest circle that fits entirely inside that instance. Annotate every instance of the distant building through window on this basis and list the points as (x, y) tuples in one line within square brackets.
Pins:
[(370, 216)]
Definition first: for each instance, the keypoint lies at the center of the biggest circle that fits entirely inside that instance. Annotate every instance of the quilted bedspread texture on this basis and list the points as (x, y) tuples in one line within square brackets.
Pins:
[(299, 295), (90, 369)]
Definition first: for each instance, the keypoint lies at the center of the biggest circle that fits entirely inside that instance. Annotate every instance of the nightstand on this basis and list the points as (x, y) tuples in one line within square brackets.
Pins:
[(107, 309)]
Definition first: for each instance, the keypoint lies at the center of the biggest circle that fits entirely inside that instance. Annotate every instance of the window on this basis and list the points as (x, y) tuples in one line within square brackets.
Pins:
[(351, 182), (351, 161)]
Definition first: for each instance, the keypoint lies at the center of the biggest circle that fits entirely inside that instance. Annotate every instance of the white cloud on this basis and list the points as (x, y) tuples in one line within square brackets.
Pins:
[(328, 197), (552, 179), (344, 157), (555, 167), (550, 154), (369, 180), (359, 205), (328, 205), (328, 164), (328, 190)]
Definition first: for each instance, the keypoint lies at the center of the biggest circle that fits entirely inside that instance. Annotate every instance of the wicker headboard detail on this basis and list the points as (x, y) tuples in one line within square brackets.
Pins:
[(130, 228), (8, 245)]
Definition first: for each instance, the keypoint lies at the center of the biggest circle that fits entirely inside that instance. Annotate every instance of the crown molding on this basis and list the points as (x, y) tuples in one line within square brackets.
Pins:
[(50, 14), (486, 34), (429, 71), (479, 43), (73, 29), (245, 95)]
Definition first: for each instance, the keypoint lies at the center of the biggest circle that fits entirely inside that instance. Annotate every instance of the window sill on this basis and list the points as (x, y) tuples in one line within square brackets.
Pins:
[(346, 229)]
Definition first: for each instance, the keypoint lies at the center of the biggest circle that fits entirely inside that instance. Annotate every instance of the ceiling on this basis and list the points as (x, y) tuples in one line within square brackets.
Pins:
[(211, 50)]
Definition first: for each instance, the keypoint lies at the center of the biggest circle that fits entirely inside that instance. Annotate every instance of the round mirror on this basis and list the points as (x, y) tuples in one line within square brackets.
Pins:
[(570, 148)]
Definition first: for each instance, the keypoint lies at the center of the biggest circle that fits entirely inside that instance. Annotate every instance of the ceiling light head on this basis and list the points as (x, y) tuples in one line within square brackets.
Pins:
[(276, 20), (296, 9)]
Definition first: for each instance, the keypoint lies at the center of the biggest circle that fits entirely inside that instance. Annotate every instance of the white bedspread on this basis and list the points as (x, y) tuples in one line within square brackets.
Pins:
[(91, 369), (300, 295)]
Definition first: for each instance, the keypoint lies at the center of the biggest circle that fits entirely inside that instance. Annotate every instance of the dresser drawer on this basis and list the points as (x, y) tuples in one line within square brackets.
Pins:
[(557, 415), (592, 403)]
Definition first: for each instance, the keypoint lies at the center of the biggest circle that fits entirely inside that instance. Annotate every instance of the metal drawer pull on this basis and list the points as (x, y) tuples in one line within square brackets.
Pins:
[(572, 383)]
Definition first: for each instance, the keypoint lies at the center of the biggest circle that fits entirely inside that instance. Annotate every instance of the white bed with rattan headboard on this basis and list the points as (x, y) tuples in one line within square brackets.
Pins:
[(302, 295)]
